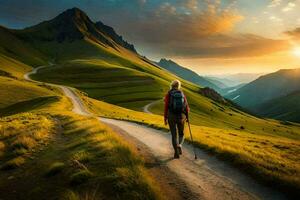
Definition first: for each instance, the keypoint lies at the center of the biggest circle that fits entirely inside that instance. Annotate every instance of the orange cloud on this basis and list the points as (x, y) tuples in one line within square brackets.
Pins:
[(294, 34), (225, 46), (170, 24)]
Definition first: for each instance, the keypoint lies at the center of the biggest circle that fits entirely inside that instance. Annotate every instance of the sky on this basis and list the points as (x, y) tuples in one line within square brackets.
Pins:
[(208, 36)]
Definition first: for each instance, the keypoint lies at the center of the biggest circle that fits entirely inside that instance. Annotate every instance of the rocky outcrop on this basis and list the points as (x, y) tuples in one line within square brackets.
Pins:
[(212, 94)]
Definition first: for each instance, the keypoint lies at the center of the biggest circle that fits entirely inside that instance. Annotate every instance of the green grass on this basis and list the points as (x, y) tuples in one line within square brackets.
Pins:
[(105, 82), (13, 91), (55, 168), (41, 141), (114, 84), (11, 46), (27, 106), (81, 177), (13, 67), (21, 135), (271, 154)]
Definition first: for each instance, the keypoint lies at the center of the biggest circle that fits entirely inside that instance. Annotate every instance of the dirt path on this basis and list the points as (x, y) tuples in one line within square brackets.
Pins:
[(147, 107), (206, 178)]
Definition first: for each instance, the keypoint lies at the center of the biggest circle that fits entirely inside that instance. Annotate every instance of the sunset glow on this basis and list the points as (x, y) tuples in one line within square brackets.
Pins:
[(296, 51), (211, 36)]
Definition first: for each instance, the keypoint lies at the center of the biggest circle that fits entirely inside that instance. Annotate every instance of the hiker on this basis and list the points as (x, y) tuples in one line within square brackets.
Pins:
[(176, 113)]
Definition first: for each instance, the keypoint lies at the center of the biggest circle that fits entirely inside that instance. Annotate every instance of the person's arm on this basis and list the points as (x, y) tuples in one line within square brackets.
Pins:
[(166, 108)]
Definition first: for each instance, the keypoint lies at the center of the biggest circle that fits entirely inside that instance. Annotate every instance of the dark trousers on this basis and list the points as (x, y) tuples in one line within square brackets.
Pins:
[(176, 124)]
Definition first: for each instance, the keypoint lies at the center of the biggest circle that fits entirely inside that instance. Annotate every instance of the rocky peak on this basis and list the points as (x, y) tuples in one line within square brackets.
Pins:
[(110, 32)]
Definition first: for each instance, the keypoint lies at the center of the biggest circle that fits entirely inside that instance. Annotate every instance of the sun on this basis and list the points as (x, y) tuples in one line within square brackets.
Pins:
[(296, 51)]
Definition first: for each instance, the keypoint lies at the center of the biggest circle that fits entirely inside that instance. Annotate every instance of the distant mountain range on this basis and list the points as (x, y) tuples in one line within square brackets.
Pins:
[(186, 74), (273, 95), (221, 85), (231, 80)]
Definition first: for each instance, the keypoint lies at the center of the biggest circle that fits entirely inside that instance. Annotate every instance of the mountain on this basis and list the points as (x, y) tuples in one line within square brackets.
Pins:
[(72, 34), (283, 108), (232, 80), (217, 82), (110, 32), (240, 78), (186, 74), (266, 88)]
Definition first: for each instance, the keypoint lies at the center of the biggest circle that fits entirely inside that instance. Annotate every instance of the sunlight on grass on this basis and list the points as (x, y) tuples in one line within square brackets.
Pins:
[(36, 129), (98, 154), (55, 168), (270, 155)]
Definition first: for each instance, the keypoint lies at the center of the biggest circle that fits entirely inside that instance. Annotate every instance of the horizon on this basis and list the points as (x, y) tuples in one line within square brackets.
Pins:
[(213, 37)]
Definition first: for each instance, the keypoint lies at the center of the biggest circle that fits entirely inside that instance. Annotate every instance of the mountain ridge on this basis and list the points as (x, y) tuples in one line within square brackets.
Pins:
[(263, 95), (71, 25), (186, 73)]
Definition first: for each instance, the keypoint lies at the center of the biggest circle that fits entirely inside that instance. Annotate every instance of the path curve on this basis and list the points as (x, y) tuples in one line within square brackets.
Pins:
[(206, 177), (147, 107)]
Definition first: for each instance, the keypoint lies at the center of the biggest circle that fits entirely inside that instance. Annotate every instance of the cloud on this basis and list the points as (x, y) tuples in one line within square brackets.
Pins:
[(294, 34), (190, 4), (224, 46), (170, 24), (275, 19), (290, 6), (189, 28), (205, 32), (274, 3)]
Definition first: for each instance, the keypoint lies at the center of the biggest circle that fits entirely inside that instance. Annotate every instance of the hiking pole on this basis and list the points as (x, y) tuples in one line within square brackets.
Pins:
[(188, 121)]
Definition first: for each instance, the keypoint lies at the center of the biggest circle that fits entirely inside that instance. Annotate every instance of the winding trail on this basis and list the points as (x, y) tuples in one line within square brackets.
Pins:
[(147, 107), (208, 178)]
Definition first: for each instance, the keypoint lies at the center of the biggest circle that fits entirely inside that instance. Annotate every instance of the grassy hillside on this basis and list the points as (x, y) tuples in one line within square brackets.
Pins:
[(109, 82), (269, 151), (57, 156), (12, 68), (46, 151), (132, 88), (13, 91), (18, 49), (282, 108)]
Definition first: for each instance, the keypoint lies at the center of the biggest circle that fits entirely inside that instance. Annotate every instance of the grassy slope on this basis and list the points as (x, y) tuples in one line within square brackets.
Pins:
[(270, 154), (69, 162), (131, 88), (13, 67), (12, 46), (41, 141), (283, 108), (13, 91)]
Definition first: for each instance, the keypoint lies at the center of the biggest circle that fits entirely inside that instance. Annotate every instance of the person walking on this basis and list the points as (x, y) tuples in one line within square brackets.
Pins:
[(176, 114)]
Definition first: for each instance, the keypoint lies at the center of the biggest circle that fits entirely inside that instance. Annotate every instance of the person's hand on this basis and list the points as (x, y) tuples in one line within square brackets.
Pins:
[(166, 121)]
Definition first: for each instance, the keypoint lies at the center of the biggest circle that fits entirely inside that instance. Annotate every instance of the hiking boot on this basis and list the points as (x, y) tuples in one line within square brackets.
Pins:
[(176, 155), (179, 149)]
